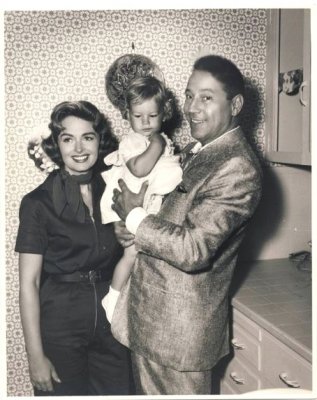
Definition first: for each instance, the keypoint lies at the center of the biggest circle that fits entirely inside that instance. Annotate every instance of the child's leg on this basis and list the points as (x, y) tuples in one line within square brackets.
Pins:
[(120, 276), (123, 268)]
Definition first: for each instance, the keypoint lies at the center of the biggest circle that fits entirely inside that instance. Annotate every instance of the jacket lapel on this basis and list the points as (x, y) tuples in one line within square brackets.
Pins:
[(205, 155)]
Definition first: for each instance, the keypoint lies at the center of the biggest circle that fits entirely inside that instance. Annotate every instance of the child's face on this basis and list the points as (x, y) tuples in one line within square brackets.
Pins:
[(145, 118)]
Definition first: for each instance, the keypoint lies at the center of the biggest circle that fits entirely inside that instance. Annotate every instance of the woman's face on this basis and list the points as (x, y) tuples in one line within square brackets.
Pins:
[(78, 144)]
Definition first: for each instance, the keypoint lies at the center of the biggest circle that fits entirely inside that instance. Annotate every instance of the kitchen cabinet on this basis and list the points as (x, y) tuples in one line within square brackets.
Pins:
[(287, 109), (271, 328), (261, 361)]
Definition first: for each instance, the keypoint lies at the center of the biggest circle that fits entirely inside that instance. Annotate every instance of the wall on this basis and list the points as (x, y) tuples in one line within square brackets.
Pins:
[(282, 222), (63, 55)]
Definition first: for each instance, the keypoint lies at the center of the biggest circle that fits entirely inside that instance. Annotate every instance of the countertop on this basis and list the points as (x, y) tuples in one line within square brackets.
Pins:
[(277, 296)]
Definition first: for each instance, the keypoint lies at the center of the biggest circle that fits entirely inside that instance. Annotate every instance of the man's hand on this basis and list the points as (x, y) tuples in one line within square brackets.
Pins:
[(125, 238), (125, 201)]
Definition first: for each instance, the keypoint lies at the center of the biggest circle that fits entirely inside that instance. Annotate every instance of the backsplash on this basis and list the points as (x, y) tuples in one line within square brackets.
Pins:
[(282, 223)]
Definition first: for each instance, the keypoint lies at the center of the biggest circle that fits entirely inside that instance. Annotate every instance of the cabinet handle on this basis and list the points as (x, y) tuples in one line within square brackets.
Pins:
[(234, 377), (237, 345), (283, 377), (301, 94)]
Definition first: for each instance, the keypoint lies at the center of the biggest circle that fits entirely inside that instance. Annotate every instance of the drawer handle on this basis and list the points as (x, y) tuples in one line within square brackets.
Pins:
[(283, 377), (237, 345), (234, 377)]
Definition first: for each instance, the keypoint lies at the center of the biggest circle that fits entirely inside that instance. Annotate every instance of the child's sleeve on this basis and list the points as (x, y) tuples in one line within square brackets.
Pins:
[(132, 146)]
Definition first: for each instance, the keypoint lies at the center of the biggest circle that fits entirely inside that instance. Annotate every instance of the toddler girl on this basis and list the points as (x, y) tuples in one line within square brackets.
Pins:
[(145, 153)]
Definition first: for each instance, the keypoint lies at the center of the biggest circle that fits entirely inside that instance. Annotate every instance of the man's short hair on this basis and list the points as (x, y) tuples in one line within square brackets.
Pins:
[(225, 71)]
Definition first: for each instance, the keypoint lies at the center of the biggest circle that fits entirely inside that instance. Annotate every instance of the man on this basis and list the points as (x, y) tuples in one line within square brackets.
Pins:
[(173, 313)]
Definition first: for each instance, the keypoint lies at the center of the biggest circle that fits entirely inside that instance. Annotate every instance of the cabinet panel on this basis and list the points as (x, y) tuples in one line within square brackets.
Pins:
[(291, 58), (287, 119), (282, 367), (245, 346), (291, 39), (248, 325), (226, 388), (240, 378)]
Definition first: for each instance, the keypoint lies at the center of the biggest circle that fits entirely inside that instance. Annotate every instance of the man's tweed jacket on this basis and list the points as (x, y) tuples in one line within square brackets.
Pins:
[(174, 308)]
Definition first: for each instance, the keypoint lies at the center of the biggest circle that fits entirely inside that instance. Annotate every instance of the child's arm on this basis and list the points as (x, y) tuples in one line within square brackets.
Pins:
[(123, 268), (143, 164)]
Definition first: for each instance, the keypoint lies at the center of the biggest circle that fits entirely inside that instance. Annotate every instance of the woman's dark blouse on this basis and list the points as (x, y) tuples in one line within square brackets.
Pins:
[(66, 246)]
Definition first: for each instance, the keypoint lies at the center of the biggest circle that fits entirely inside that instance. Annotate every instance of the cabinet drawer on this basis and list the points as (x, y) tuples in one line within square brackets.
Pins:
[(245, 346), (227, 388), (282, 366), (239, 377), (248, 325)]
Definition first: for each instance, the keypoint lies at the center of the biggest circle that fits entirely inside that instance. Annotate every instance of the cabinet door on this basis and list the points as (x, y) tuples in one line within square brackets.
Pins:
[(287, 120)]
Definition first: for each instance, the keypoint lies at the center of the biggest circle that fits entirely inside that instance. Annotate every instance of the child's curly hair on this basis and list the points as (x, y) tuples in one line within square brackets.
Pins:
[(146, 88), (123, 71)]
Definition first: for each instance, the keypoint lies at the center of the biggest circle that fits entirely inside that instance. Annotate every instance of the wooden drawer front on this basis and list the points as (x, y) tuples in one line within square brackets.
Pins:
[(226, 388), (245, 346), (239, 377), (283, 367), (248, 325)]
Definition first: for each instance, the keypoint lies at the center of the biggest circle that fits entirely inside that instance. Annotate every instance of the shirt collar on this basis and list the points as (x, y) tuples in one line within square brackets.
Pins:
[(198, 146)]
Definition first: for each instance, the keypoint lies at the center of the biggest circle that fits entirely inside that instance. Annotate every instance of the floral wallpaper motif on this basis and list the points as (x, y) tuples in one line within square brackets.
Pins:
[(52, 56)]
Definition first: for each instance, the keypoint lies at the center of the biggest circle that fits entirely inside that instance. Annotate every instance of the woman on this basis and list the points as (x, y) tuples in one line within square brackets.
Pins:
[(69, 345)]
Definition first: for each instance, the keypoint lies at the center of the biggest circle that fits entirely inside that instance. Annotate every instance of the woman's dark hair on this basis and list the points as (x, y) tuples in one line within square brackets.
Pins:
[(225, 71), (146, 88), (84, 110)]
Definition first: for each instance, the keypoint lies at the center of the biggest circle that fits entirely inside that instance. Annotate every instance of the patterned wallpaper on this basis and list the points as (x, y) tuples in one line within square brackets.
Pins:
[(52, 56)]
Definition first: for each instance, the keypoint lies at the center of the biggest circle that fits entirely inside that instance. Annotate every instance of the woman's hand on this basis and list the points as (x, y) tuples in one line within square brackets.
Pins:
[(125, 238), (42, 373), (41, 369)]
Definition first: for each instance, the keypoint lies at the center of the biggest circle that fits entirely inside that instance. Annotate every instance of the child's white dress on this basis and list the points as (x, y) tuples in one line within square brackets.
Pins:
[(164, 177)]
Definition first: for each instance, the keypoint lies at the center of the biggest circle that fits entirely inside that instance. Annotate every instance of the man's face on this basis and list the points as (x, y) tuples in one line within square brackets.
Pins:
[(207, 109)]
